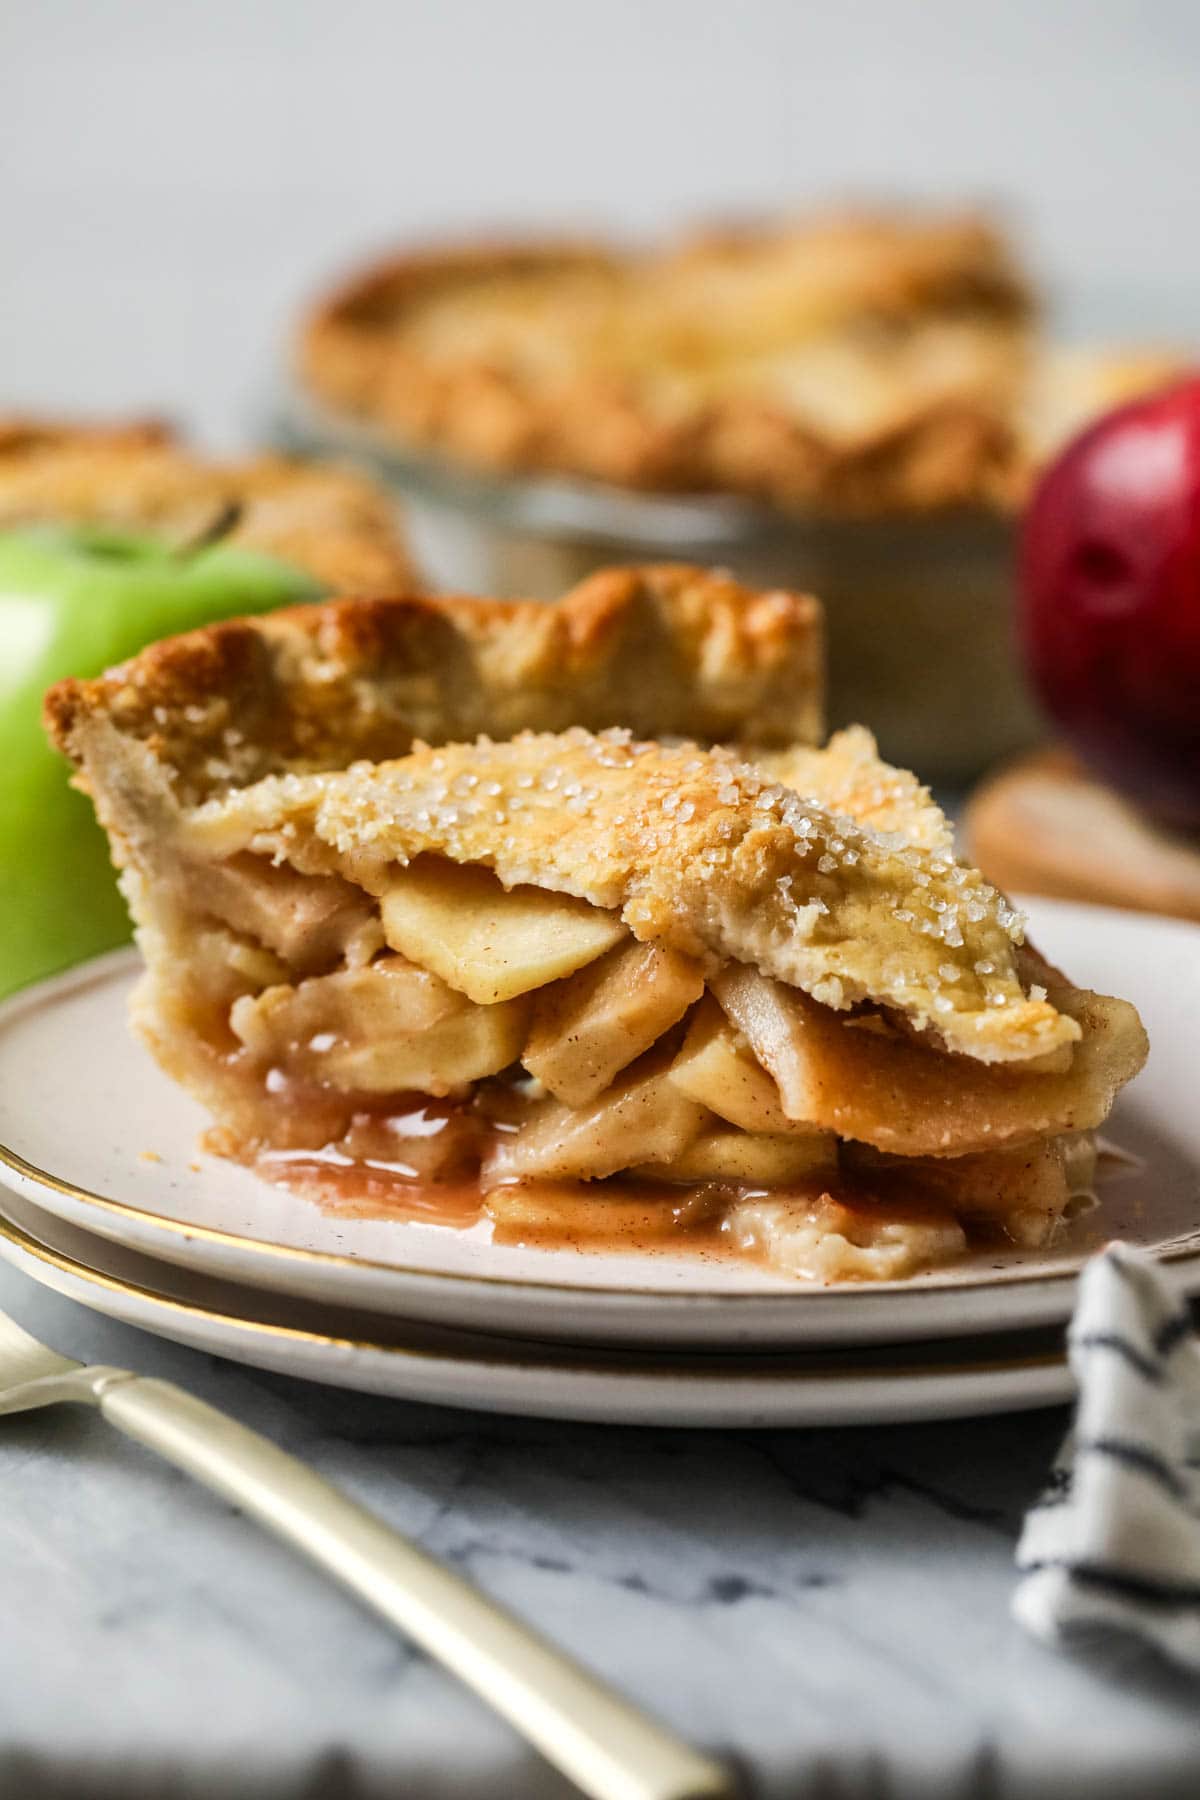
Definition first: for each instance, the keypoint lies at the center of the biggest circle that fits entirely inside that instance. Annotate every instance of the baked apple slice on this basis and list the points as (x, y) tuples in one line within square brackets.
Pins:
[(389, 1027), (643, 1118), (716, 1067), (751, 1159), (588, 1028), (490, 942)]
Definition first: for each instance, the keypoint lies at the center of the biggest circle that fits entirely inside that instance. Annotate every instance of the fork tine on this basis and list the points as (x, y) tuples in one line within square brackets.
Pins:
[(23, 1358)]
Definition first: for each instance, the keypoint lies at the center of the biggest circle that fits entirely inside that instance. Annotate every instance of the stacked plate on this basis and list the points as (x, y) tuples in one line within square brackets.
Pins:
[(110, 1202)]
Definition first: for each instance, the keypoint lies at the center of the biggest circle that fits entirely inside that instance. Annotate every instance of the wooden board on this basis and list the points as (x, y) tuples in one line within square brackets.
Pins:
[(1043, 825)]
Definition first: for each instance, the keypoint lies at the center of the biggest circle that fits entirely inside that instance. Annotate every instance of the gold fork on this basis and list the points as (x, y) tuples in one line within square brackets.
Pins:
[(605, 1745)]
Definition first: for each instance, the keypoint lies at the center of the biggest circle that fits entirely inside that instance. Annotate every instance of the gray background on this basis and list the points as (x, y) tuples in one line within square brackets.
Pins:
[(174, 176)]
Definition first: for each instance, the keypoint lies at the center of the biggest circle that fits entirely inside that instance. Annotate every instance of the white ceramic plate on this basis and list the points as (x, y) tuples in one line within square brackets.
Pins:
[(452, 1368), (92, 1131)]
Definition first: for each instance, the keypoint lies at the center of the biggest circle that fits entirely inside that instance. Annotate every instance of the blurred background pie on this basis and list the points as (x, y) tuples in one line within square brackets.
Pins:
[(858, 363), (853, 402)]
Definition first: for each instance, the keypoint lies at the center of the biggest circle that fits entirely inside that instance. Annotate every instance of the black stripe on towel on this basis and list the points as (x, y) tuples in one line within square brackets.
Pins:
[(1172, 1332), (1137, 1458), (1119, 1582), (1120, 1267), (1137, 1359), (1173, 1329)]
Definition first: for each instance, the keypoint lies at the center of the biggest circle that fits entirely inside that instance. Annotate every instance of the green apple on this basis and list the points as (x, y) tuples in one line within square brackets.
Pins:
[(74, 600)]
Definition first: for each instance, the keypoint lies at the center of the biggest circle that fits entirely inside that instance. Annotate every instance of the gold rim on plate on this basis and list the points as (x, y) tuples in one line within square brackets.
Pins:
[(754, 1370)]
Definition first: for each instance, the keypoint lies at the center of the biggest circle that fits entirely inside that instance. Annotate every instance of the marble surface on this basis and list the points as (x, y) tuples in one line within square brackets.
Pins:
[(828, 1608)]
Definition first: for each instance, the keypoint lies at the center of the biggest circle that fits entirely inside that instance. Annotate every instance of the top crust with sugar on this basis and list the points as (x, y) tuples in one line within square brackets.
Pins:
[(697, 849)]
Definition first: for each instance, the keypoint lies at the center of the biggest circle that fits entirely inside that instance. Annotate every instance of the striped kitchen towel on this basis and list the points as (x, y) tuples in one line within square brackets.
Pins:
[(1114, 1542)]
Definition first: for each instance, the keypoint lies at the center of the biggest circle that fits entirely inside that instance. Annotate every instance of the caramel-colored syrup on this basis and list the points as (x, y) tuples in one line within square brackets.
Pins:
[(614, 1215), (413, 1159), (371, 1190)]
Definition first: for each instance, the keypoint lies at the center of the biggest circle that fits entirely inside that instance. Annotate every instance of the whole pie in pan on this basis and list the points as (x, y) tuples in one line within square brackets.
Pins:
[(331, 522), (560, 913), (863, 362)]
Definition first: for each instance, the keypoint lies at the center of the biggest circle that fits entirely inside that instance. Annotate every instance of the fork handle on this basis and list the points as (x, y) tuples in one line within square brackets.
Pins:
[(606, 1746)]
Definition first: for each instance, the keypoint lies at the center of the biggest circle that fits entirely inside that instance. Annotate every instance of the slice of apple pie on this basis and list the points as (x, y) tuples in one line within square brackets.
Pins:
[(614, 988)]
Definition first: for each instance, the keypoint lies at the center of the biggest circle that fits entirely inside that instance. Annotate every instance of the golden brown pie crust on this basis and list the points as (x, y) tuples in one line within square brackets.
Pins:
[(665, 650), (336, 524), (859, 363)]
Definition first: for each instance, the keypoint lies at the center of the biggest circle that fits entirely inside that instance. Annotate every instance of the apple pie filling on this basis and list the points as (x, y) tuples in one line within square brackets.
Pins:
[(598, 1073), (594, 986)]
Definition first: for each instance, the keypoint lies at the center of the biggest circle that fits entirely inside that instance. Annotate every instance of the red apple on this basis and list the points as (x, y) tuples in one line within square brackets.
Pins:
[(1110, 599)]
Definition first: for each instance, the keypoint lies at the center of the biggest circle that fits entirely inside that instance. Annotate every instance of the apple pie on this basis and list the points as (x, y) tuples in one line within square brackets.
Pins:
[(859, 363), (337, 525), (555, 908)]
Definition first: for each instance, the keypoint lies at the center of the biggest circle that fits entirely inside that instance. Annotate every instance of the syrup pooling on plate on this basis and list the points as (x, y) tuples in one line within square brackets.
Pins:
[(359, 1188), (853, 1215), (840, 1229)]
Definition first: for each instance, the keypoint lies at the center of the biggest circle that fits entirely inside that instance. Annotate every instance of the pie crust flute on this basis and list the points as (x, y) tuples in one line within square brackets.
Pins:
[(667, 650), (337, 525), (620, 990)]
